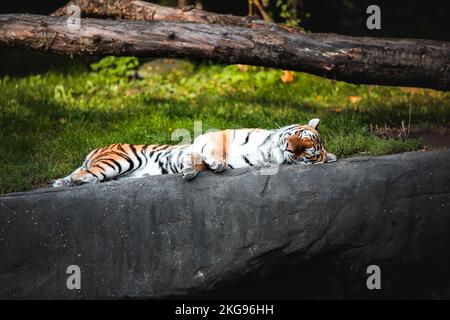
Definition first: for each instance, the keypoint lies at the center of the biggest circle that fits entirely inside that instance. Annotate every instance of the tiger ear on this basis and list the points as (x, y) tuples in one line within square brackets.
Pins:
[(314, 123)]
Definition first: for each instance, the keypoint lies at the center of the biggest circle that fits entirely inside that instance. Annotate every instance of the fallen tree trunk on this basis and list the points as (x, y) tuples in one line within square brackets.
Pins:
[(421, 63), (163, 236), (141, 10)]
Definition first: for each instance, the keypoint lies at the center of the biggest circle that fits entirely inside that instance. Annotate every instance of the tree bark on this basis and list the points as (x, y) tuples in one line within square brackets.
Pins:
[(405, 62), (140, 10)]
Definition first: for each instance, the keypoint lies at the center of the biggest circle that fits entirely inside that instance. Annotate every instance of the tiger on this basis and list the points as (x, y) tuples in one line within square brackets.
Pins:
[(214, 150)]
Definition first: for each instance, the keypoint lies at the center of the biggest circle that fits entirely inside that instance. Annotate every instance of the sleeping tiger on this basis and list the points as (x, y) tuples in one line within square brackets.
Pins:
[(216, 151)]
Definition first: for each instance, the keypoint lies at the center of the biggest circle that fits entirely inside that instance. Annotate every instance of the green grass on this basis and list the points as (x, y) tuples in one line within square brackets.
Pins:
[(49, 122)]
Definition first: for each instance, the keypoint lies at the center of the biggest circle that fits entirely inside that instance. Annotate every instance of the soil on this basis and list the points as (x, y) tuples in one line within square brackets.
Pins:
[(435, 138), (432, 138)]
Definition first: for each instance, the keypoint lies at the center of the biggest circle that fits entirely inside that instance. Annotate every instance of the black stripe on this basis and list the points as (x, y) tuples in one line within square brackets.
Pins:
[(290, 128), (170, 162), (143, 150), (179, 163), (165, 146), (136, 155), (161, 166), (90, 172), (266, 140), (174, 164), (230, 166), (247, 161), (145, 157), (119, 167), (120, 148), (264, 156), (95, 152), (130, 162), (108, 164), (247, 137), (122, 154), (157, 157), (98, 166)]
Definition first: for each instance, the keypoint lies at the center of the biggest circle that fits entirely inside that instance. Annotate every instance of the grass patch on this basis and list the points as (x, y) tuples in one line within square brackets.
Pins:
[(49, 122)]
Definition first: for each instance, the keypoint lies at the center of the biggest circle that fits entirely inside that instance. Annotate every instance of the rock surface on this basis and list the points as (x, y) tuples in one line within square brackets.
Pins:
[(162, 236)]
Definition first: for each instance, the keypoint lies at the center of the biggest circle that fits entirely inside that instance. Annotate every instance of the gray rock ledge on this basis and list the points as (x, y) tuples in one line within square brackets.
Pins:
[(162, 236)]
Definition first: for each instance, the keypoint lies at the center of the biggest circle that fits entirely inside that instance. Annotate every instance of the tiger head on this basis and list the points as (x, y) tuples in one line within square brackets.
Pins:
[(302, 144)]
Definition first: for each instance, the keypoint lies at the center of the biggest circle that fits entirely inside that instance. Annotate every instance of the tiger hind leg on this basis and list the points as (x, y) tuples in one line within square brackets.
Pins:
[(63, 182), (85, 176), (66, 181), (81, 176)]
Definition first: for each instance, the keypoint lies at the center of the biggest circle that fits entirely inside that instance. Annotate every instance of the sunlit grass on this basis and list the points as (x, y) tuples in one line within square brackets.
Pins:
[(49, 122)]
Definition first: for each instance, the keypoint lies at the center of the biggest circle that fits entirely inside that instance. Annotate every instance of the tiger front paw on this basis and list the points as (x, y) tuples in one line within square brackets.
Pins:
[(192, 165), (217, 166), (188, 173)]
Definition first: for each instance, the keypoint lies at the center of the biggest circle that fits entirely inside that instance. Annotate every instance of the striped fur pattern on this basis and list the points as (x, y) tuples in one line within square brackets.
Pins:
[(216, 151)]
